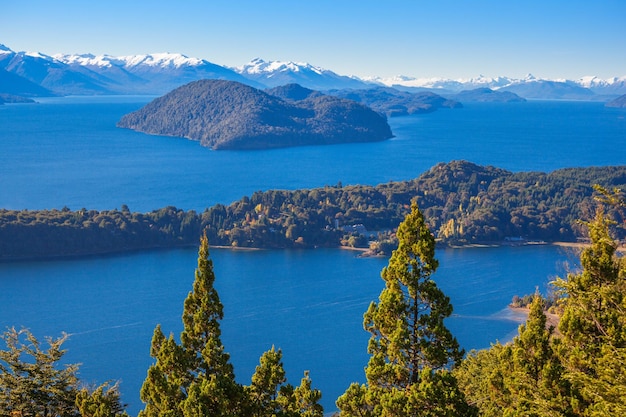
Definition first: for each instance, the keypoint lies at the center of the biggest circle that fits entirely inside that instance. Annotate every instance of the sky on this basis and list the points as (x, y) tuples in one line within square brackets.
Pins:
[(417, 38)]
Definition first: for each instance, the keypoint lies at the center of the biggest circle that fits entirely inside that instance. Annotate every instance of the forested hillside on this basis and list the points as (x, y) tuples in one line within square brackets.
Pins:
[(229, 115), (463, 203)]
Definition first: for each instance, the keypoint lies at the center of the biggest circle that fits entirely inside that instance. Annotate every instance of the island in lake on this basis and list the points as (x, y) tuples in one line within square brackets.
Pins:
[(229, 115)]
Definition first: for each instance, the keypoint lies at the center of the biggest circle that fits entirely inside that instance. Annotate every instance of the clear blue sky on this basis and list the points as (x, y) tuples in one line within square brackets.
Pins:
[(419, 38)]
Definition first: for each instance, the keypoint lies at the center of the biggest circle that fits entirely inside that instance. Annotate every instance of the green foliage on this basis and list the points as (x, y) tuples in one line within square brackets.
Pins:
[(268, 377), (593, 324), (30, 382), (194, 378), (49, 233), (104, 401), (578, 372), (411, 350), (34, 383), (464, 203), (523, 378), (302, 400)]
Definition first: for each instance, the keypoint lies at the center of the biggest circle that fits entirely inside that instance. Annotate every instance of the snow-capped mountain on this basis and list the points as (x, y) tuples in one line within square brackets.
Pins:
[(47, 73), (162, 60), (36, 74), (528, 87), (104, 74), (443, 84), (276, 73), (151, 73), (613, 85)]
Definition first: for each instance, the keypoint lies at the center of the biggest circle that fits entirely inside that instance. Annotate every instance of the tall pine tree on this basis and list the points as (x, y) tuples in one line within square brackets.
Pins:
[(194, 378), (593, 325), (412, 351)]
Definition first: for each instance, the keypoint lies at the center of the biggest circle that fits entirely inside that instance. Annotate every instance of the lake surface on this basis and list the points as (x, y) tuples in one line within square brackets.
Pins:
[(67, 152)]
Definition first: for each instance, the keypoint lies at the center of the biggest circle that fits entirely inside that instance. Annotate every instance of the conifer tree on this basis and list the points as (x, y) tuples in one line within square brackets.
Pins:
[(194, 378), (34, 383), (104, 401), (267, 379), (535, 379), (31, 383), (593, 325), (412, 351), (301, 401)]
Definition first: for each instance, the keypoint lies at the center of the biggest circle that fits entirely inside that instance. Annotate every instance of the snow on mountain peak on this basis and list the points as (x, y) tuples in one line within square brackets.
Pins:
[(90, 60), (38, 55), (259, 66), (164, 59)]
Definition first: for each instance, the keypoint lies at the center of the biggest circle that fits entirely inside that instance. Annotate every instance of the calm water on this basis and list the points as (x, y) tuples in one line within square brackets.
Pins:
[(67, 152)]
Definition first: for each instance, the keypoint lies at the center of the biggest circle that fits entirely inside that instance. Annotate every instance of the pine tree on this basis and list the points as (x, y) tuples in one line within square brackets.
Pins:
[(30, 381), (267, 379), (301, 401), (536, 378), (165, 386), (411, 349), (104, 401), (194, 378), (593, 325), (34, 383)]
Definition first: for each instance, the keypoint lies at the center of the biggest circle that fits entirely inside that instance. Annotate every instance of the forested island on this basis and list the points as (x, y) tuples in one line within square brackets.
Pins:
[(463, 203), (229, 115)]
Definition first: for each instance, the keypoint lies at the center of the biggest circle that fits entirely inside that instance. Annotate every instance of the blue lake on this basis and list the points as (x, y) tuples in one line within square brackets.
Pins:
[(68, 152)]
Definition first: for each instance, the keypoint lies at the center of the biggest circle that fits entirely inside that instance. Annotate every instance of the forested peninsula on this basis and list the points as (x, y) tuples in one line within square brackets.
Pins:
[(463, 203), (229, 115)]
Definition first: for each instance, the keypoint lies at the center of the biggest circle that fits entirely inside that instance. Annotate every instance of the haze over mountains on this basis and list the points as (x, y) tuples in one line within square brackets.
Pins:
[(35, 74)]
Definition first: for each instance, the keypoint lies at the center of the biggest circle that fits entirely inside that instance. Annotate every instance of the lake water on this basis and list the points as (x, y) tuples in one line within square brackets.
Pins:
[(67, 152)]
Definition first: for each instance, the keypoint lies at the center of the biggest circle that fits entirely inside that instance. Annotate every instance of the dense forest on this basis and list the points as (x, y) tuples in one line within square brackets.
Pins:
[(230, 115), (463, 202)]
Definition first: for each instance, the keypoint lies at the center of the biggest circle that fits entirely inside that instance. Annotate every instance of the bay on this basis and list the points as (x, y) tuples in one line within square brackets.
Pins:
[(309, 303), (68, 152)]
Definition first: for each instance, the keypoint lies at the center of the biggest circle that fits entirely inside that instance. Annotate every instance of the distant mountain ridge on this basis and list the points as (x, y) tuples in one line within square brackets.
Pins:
[(88, 74), (277, 73), (37, 74)]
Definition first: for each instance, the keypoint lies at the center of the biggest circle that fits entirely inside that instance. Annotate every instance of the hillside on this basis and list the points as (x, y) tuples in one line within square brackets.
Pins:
[(619, 102), (463, 203), (394, 103), (230, 115)]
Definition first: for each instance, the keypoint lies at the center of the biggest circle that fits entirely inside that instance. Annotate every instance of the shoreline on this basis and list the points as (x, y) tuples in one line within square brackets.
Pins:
[(552, 320), (363, 252)]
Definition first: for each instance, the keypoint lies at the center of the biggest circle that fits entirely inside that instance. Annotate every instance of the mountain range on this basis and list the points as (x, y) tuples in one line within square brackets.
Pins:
[(35, 74)]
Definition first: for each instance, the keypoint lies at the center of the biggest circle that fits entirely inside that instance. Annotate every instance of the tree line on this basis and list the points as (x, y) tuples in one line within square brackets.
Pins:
[(463, 202)]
